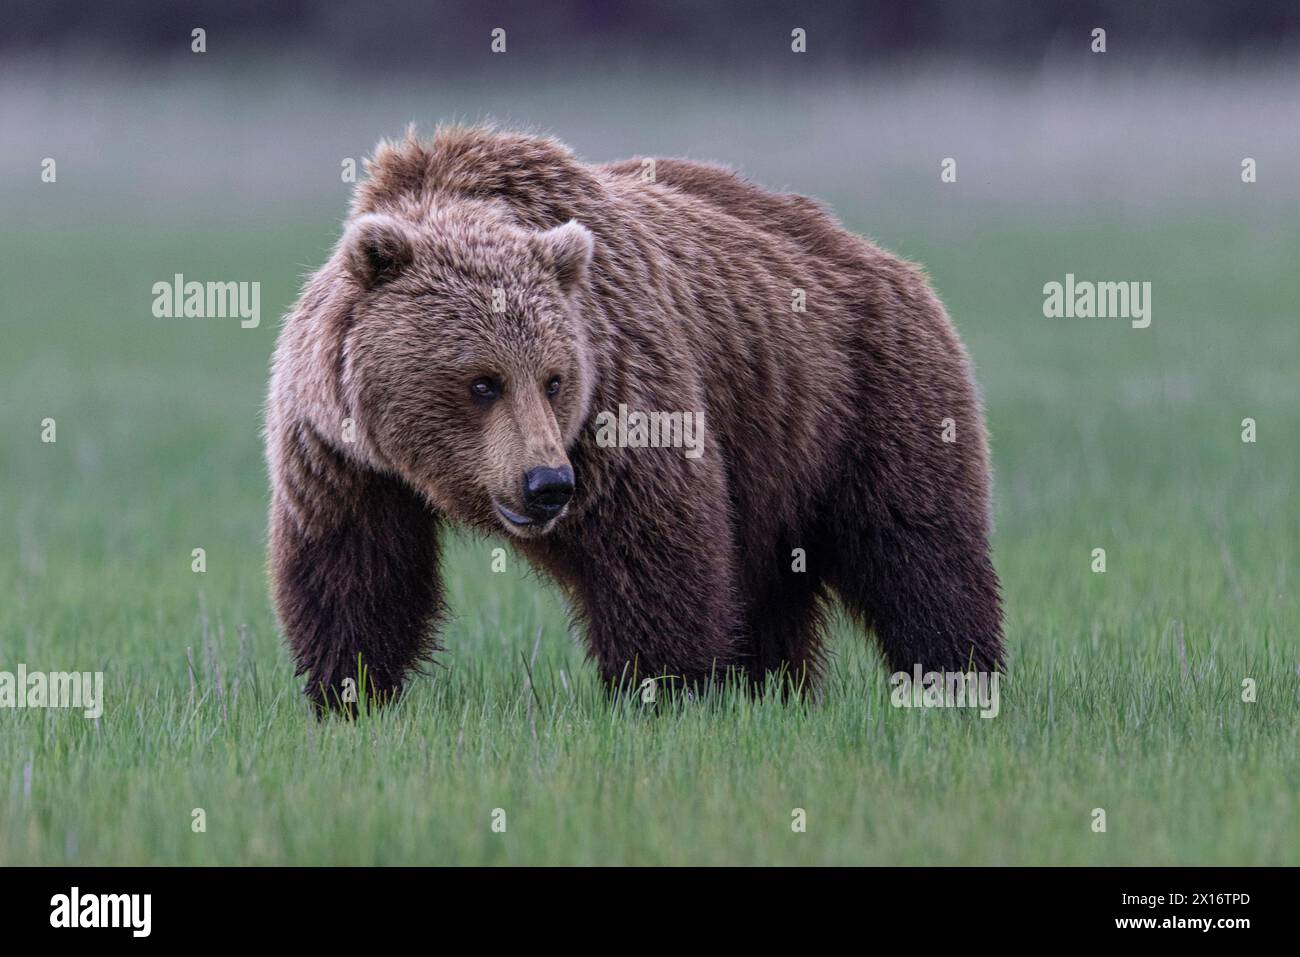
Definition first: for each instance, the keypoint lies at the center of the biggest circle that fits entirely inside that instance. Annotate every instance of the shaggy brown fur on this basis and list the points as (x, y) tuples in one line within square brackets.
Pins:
[(823, 428)]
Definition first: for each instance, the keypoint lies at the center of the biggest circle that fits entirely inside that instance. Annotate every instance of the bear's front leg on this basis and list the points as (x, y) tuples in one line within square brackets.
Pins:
[(657, 578), (354, 558)]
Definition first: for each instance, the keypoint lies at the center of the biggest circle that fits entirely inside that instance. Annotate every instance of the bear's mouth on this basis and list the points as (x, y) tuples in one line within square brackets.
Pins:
[(514, 518), (527, 526)]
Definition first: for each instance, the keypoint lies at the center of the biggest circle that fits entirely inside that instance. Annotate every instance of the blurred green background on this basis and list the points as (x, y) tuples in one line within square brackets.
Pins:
[(1124, 689)]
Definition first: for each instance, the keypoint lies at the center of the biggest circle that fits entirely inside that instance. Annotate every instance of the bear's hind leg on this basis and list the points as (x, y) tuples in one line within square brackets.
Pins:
[(926, 585), (783, 629)]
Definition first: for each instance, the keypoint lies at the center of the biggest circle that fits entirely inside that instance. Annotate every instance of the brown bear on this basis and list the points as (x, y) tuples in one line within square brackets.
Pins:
[(495, 304)]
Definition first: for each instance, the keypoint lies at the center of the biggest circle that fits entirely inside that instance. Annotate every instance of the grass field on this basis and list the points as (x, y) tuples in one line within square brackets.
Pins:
[(1124, 690)]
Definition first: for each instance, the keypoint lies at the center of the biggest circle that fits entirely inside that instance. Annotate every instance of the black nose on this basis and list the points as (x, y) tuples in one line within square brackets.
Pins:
[(546, 491)]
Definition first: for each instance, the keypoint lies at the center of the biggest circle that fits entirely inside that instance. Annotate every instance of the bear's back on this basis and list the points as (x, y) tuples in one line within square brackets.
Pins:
[(790, 215)]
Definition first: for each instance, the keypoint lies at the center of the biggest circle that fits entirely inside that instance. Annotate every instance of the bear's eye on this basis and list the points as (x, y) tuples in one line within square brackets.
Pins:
[(553, 387), (484, 388)]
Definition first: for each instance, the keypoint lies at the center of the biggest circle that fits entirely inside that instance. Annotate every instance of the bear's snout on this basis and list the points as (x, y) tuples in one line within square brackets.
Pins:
[(547, 491)]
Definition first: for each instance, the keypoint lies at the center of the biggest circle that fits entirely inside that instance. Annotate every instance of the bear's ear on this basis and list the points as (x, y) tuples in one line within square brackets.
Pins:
[(567, 250), (376, 248)]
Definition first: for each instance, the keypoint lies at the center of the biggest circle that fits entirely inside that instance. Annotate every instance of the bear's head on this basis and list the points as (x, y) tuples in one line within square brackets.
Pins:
[(465, 360)]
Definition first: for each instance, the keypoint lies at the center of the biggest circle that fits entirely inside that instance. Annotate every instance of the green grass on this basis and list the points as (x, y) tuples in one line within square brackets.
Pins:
[(1124, 689)]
